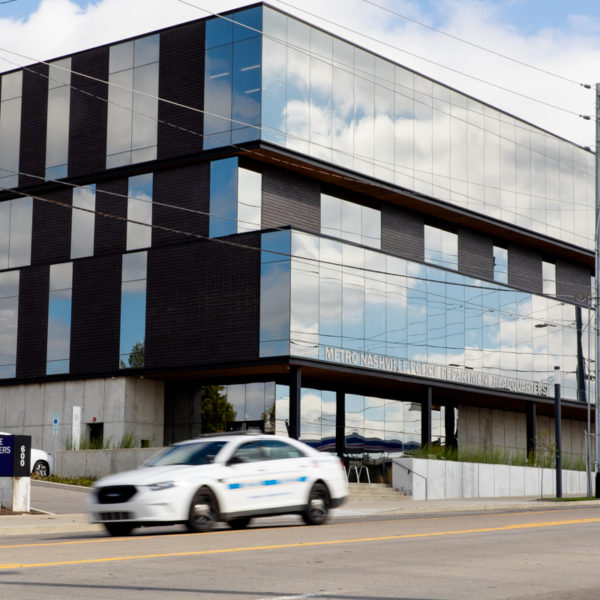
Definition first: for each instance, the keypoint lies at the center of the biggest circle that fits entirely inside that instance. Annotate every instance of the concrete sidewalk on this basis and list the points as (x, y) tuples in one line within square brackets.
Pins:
[(63, 497)]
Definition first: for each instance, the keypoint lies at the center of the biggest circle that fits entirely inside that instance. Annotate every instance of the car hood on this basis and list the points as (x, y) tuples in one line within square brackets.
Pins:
[(149, 475)]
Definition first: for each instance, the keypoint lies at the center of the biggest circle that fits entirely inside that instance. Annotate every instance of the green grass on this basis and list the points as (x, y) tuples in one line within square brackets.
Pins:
[(82, 481)]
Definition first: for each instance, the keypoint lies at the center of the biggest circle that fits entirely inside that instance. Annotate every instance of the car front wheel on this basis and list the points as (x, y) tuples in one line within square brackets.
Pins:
[(41, 468), (119, 529), (203, 513), (239, 523), (317, 510)]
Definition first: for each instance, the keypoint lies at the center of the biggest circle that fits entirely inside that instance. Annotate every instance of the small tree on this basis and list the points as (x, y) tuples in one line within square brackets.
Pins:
[(545, 455)]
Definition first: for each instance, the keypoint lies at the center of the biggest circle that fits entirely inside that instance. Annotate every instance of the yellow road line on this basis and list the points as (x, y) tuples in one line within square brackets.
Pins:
[(6, 566)]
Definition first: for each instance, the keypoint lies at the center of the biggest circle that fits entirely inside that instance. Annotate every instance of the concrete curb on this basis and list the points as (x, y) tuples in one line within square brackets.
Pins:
[(35, 524)]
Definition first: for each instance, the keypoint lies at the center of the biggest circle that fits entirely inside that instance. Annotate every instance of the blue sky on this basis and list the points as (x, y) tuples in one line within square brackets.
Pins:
[(560, 36)]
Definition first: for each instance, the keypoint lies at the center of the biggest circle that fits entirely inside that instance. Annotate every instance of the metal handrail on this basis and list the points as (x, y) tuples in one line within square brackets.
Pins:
[(409, 471)]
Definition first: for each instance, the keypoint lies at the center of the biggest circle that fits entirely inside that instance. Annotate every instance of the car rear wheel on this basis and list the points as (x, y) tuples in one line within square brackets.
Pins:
[(41, 468), (240, 523), (317, 510), (203, 514), (119, 529)]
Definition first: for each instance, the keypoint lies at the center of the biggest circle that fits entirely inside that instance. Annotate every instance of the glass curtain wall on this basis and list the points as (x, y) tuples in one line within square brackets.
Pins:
[(15, 232), (58, 349), (57, 129), (9, 317), (11, 89), (232, 80), (132, 345), (235, 198), (83, 221), (334, 101), (323, 298), (139, 212), (132, 102)]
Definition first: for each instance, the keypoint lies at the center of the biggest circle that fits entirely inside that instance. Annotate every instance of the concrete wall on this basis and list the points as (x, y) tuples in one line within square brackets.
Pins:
[(486, 428), (98, 463), (123, 404), (443, 479)]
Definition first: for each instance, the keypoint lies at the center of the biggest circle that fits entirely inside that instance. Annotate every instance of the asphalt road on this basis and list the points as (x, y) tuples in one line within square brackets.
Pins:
[(541, 555)]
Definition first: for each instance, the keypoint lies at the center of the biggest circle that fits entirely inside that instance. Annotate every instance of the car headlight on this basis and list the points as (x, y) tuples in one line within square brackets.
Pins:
[(162, 485)]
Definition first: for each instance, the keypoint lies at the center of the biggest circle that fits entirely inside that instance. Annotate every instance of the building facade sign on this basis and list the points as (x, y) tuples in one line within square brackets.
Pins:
[(453, 374)]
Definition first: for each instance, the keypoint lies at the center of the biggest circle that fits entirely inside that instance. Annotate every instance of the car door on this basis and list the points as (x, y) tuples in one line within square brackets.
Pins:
[(287, 474), (244, 478)]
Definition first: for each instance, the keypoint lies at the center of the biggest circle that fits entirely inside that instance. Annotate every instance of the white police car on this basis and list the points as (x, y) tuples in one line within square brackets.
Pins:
[(230, 478)]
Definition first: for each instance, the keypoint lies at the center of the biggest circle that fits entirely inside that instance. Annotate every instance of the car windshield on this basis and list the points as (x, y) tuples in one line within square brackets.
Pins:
[(195, 453)]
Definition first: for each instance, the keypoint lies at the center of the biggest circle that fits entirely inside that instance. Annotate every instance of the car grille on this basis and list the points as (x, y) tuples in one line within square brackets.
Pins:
[(114, 516), (115, 494)]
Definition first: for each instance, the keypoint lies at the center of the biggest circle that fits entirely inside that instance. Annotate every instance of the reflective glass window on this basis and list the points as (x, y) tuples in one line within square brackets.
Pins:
[(58, 349), (15, 232), (233, 78), (83, 221), (359, 307), (549, 278), (139, 212), (441, 247), (333, 101), (132, 102), (235, 198), (275, 293), (57, 129), (10, 128), (9, 317), (133, 311), (500, 264), (350, 221)]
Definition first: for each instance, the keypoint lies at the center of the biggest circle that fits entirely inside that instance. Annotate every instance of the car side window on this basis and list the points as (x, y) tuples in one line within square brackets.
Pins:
[(248, 452), (277, 450)]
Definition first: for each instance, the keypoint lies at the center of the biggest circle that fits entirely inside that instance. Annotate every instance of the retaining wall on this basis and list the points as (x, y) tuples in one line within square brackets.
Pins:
[(425, 479)]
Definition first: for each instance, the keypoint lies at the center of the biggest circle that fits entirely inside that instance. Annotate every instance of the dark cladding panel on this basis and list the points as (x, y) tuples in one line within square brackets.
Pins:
[(203, 303), (96, 308), (181, 204), (181, 81), (87, 132), (290, 199), (573, 282), (111, 228), (524, 269), (402, 233), (51, 230), (475, 254), (34, 108), (32, 322)]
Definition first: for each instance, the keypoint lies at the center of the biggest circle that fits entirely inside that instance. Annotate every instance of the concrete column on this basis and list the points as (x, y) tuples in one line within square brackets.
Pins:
[(340, 423), (426, 418), (295, 393), (15, 493)]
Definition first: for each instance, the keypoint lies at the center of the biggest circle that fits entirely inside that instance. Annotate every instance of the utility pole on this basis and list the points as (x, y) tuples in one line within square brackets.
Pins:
[(597, 295), (557, 428)]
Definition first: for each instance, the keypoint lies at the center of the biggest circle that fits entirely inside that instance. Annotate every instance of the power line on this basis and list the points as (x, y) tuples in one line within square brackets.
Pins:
[(473, 44), (414, 55)]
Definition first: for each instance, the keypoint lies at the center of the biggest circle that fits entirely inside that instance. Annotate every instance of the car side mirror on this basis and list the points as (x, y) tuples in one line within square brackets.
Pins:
[(235, 460)]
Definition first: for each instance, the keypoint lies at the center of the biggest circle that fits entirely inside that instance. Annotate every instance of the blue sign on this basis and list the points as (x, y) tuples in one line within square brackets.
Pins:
[(15, 455)]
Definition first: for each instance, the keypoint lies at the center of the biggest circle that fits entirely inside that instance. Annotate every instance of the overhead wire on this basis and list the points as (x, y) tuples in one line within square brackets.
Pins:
[(183, 106), (397, 48), (375, 162)]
